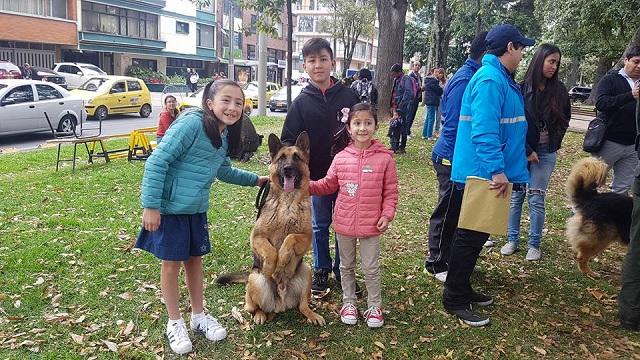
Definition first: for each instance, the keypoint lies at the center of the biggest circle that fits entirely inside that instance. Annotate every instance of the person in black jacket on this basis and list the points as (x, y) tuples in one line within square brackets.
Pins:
[(629, 297), (415, 74), (317, 110), (433, 88), (615, 101), (548, 111)]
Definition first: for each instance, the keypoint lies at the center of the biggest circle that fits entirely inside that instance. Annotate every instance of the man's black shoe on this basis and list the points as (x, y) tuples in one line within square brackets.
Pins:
[(320, 282), (470, 317), (481, 299)]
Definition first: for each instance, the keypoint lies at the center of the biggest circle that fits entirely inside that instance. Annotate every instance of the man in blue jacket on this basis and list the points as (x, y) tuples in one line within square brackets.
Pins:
[(490, 144), (444, 218)]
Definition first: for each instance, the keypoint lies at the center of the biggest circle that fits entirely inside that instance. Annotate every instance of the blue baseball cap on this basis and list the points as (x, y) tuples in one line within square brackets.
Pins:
[(500, 35)]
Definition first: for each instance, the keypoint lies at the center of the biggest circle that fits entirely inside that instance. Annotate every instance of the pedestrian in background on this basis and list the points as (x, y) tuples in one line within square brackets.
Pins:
[(402, 96), (432, 92)]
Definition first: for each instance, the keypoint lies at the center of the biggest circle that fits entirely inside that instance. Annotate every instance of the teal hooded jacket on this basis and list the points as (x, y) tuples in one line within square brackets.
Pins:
[(178, 175)]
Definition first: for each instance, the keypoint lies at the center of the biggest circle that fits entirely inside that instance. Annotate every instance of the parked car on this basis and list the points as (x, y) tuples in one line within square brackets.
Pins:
[(44, 74), (251, 91), (23, 103), (77, 74), (579, 93), (9, 71), (279, 99), (108, 94), (195, 100)]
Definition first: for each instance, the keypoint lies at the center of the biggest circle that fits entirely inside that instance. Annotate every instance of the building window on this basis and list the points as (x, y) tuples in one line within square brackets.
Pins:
[(179, 66), (252, 28), (117, 21), (272, 55), (305, 24), (204, 36), (251, 52), (237, 44), (182, 27), (145, 63), (52, 8)]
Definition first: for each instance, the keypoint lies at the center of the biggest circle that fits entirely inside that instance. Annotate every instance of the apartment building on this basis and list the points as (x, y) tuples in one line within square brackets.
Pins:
[(37, 31), (310, 15)]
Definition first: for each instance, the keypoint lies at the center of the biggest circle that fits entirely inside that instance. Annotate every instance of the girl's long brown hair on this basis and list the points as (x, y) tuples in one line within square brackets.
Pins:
[(211, 122)]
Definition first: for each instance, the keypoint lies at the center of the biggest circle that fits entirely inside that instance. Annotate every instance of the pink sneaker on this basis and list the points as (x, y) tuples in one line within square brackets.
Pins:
[(349, 314), (374, 317)]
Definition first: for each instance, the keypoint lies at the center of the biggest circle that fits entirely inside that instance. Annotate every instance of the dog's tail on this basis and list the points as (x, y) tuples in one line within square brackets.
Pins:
[(585, 178), (232, 278)]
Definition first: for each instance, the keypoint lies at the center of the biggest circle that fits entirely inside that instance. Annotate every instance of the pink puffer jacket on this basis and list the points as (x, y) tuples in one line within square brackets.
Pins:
[(368, 184)]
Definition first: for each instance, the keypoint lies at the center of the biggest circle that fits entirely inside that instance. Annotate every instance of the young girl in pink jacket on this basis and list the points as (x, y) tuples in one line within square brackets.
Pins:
[(365, 175)]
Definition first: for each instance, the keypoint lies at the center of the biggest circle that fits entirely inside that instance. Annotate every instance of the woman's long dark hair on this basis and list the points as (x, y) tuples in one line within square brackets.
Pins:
[(211, 122), (175, 111), (554, 95)]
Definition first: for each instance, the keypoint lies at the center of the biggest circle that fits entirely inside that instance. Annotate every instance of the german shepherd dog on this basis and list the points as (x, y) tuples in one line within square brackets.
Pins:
[(599, 218), (279, 279)]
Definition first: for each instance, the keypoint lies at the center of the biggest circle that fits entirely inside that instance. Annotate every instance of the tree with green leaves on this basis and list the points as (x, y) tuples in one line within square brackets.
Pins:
[(350, 20), (416, 37)]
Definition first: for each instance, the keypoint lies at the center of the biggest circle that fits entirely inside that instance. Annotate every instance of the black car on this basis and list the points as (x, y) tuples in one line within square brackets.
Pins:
[(579, 93), (44, 74)]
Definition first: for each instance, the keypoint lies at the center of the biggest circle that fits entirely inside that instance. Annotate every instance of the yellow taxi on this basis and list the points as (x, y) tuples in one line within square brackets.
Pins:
[(106, 95), (195, 100)]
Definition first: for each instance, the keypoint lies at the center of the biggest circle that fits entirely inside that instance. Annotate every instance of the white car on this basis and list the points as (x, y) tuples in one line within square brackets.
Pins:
[(24, 102), (77, 74)]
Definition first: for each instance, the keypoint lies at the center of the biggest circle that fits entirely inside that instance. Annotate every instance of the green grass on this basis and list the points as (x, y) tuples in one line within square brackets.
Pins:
[(66, 267)]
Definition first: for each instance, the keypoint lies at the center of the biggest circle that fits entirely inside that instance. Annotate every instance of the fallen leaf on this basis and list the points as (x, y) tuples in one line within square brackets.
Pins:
[(393, 342), (325, 334), (540, 351), (17, 304), (111, 346), (379, 344), (79, 339), (55, 300), (126, 296), (128, 329), (79, 320), (39, 281), (359, 350), (236, 314)]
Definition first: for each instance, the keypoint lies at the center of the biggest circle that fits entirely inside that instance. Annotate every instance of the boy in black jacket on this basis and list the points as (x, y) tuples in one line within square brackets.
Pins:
[(317, 110)]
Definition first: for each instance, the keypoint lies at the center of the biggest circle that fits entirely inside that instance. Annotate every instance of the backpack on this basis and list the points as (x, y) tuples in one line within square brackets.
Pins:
[(366, 92), (250, 140)]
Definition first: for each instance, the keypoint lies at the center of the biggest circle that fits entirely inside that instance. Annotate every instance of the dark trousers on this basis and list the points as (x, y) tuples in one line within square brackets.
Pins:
[(398, 134), (443, 221), (411, 117), (465, 250), (629, 297)]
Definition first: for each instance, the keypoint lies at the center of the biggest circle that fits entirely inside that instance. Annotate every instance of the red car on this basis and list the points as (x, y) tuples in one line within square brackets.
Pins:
[(9, 71)]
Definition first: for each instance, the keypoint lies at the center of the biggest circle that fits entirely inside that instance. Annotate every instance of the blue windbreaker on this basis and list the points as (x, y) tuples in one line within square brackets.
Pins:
[(493, 128)]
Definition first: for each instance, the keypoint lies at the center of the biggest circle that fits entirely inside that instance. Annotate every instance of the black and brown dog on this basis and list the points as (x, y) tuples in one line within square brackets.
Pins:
[(279, 279), (600, 218)]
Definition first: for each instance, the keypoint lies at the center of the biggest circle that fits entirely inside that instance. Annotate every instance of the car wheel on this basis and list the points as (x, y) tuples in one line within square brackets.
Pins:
[(102, 112), (67, 124), (145, 111), (272, 109)]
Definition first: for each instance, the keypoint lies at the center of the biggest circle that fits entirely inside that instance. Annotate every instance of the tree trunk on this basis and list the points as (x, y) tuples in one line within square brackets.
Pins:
[(442, 17), (604, 64), (391, 19), (289, 51), (573, 73)]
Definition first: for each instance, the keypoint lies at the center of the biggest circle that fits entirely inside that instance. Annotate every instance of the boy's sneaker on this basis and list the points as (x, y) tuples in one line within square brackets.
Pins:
[(533, 254), (470, 317), (481, 299), (178, 337), (489, 243), (441, 276), (320, 282), (209, 326), (509, 248), (374, 317), (349, 314)]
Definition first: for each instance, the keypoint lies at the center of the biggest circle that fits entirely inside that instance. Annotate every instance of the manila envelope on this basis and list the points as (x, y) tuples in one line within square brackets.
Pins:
[(481, 210)]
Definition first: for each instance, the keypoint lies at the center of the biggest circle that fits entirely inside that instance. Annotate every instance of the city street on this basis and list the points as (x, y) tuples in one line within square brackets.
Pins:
[(116, 124)]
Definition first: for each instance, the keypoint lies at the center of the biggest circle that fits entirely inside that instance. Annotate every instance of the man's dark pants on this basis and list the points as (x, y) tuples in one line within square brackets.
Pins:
[(465, 250), (443, 221), (412, 116), (629, 297)]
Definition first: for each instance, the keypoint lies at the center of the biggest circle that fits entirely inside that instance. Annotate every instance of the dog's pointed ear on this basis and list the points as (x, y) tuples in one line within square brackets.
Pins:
[(274, 144), (302, 142)]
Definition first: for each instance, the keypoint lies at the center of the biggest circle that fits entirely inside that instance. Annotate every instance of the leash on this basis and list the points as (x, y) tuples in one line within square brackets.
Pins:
[(261, 198)]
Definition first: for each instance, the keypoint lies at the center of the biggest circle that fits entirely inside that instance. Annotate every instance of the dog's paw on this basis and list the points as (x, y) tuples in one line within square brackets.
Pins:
[(316, 319), (259, 318)]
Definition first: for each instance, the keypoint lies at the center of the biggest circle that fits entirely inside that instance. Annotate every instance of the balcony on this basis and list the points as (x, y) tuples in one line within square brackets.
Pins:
[(119, 41), (140, 5), (206, 17)]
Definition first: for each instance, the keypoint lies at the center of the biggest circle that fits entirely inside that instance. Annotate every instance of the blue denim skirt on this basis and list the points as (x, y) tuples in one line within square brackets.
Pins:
[(178, 237)]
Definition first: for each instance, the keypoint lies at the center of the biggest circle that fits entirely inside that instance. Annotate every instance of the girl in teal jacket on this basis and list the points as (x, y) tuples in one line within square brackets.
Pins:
[(175, 197)]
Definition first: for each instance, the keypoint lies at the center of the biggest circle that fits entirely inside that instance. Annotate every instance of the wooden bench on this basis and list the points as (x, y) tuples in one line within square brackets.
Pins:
[(89, 143)]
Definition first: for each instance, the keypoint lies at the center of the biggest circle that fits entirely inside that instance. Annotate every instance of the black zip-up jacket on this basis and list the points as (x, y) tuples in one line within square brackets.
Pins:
[(319, 115), (432, 91), (556, 129), (615, 102)]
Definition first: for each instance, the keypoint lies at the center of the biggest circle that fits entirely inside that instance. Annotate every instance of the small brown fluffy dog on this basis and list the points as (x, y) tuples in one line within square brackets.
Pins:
[(599, 218), (279, 279)]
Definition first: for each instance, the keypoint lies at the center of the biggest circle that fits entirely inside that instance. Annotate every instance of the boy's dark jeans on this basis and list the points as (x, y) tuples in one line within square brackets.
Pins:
[(629, 297), (443, 221)]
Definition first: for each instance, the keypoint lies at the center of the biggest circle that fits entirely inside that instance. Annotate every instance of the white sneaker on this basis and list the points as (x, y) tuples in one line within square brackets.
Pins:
[(441, 276), (179, 338), (374, 317), (489, 243), (349, 314), (209, 326), (533, 254), (509, 248)]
